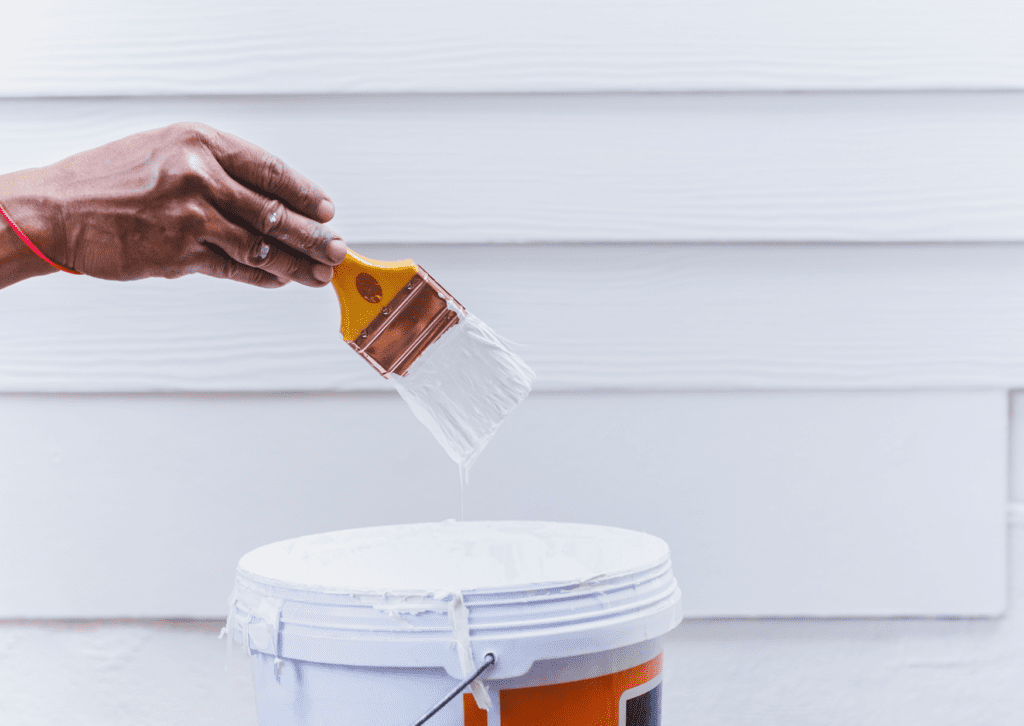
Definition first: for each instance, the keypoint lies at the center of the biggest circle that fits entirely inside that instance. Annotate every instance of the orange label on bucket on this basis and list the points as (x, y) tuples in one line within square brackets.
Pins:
[(628, 698)]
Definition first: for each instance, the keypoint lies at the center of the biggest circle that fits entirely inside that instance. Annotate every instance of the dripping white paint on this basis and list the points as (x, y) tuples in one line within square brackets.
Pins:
[(463, 387)]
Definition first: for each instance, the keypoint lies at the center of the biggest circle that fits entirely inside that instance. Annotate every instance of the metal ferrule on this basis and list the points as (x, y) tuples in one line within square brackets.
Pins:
[(415, 318)]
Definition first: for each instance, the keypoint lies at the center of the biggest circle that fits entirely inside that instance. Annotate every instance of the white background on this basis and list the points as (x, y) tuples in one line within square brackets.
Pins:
[(778, 329)]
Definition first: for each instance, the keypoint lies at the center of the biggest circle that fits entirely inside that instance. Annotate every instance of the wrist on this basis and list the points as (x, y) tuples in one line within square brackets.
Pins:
[(37, 217)]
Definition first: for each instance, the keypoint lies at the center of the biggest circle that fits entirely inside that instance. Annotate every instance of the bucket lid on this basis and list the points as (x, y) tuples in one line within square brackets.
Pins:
[(445, 594)]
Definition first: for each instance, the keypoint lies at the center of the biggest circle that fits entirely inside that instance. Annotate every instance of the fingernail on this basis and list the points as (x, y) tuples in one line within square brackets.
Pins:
[(323, 273), (325, 211), (337, 250)]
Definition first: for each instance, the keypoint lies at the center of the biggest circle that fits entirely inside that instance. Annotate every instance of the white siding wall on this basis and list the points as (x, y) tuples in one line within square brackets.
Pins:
[(866, 503), (822, 167), (779, 330), (113, 47)]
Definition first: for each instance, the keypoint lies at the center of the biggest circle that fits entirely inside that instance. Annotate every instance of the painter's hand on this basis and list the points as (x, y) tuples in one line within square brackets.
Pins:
[(178, 200)]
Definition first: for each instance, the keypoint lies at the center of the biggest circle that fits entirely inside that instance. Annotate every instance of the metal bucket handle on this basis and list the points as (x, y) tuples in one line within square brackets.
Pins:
[(488, 662)]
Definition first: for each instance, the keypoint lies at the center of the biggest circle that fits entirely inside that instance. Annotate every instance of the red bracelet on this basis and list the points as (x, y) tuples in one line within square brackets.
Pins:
[(26, 240)]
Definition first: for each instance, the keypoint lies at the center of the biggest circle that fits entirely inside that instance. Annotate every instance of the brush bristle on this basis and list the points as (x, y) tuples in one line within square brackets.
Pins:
[(464, 385)]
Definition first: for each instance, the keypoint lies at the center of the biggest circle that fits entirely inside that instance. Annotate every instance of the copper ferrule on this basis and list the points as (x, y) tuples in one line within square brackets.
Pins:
[(415, 318)]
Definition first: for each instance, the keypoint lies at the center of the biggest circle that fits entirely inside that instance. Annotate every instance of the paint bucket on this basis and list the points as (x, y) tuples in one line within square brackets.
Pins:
[(375, 626)]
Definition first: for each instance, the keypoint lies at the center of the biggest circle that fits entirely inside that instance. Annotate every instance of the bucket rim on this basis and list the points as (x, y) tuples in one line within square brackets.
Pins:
[(560, 587), (661, 556)]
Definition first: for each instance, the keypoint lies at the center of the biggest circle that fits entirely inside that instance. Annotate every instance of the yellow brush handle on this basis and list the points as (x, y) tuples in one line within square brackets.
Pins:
[(365, 286)]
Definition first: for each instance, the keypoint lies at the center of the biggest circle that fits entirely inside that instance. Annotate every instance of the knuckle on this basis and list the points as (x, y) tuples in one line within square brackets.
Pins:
[(259, 278), (288, 268), (271, 216), (313, 238), (273, 172), (235, 271), (308, 199), (268, 281), (191, 131), (191, 217), (229, 269), (259, 253), (193, 179), (219, 267)]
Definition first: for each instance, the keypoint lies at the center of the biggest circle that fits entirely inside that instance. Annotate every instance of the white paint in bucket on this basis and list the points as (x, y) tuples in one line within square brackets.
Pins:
[(362, 626)]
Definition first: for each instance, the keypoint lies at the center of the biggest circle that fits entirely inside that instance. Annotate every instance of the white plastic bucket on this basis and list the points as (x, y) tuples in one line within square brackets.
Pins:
[(373, 627)]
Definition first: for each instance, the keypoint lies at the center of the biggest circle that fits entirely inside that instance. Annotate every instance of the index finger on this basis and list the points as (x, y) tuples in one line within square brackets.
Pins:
[(251, 165)]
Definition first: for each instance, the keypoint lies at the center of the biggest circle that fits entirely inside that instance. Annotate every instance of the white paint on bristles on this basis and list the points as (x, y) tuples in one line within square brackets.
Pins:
[(463, 386)]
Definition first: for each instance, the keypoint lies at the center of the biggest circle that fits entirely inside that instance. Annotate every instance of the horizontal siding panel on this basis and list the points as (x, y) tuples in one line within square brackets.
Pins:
[(119, 47), (619, 168), (885, 503), (619, 317)]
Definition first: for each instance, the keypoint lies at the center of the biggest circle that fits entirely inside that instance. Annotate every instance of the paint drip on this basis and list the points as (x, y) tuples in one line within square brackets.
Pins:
[(463, 386)]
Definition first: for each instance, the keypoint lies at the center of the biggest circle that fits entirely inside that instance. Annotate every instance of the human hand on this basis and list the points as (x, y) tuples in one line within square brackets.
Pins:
[(183, 199)]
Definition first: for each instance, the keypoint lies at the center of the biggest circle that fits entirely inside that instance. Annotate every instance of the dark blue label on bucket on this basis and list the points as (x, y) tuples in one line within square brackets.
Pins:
[(645, 709)]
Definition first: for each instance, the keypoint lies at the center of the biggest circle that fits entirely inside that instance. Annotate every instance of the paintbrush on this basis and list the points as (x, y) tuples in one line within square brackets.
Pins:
[(460, 379)]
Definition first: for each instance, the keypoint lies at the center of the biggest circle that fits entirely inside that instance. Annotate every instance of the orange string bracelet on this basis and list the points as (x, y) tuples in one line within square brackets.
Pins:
[(26, 240)]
